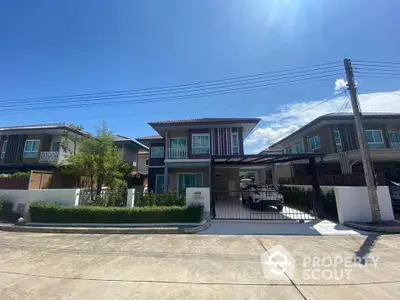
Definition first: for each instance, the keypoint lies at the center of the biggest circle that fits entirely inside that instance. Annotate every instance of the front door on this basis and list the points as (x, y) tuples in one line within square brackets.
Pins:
[(186, 181)]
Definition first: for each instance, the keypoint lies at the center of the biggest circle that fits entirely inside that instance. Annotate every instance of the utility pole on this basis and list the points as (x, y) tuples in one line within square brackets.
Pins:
[(365, 154)]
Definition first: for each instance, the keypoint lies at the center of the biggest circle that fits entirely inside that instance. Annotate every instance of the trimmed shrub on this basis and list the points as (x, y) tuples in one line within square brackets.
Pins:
[(47, 212), (6, 212), (169, 198)]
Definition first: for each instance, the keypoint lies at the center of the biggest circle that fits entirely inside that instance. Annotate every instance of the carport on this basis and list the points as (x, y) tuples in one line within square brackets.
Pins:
[(226, 203)]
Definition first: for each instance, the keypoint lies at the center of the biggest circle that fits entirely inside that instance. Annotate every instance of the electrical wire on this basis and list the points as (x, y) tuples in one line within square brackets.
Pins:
[(93, 102), (308, 108), (376, 62), (143, 96), (207, 83)]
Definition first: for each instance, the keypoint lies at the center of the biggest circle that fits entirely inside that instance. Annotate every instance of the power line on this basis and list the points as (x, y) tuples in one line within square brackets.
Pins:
[(169, 88), (346, 102), (376, 62), (142, 96), (205, 108), (308, 108), (169, 98), (377, 76)]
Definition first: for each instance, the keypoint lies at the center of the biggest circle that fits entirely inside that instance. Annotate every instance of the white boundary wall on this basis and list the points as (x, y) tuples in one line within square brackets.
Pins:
[(65, 197), (353, 205)]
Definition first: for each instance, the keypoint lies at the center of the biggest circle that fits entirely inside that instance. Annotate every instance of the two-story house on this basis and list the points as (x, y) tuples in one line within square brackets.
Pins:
[(180, 155), (38, 147), (335, 135)]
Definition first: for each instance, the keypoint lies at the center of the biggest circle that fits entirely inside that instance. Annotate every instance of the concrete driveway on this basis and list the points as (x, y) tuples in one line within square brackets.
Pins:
[(62, 266)]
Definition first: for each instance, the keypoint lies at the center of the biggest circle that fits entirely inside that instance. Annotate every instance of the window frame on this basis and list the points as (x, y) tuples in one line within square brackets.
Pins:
[(34, 153), (51, 146), (397, 134), (200, 135), (156, 188), (152, 153), (198, 178), (146, 162), (302, 146), (236, 134), (177, 138), (375, 143), (309, 142), (340, 141), (288, 152), (3, 149)]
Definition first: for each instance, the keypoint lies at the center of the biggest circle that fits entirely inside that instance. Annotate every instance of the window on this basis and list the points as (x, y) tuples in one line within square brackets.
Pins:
[(200, 144), (159, 184), (188, 180), (374, 139), (288, 149), (178, 143), (338, 141), (235, 143), (394, 137), (157, 152), (314, 142), (31, 149), (300, 147), (4, 149), (55, 146), (147, 162)]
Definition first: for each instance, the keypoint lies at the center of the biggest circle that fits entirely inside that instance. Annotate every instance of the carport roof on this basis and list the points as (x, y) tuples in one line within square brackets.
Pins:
[(260, 159)]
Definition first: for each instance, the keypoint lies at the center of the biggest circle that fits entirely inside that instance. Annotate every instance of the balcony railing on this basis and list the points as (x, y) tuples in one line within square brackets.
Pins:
[(176, 153), (48, 156), (394, 145)]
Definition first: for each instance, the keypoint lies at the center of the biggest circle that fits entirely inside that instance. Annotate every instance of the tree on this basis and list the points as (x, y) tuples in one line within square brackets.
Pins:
[(99, 161), (75, 138)]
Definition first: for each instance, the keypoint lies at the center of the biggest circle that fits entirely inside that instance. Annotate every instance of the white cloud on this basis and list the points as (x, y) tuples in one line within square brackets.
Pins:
[(292, 116), (340, 84)]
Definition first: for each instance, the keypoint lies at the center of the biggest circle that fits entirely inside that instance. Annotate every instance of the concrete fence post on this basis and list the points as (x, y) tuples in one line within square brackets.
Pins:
[(130, 201)]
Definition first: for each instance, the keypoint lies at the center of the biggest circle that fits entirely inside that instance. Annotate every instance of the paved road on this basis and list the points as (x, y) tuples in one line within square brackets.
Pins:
[(62, 266)]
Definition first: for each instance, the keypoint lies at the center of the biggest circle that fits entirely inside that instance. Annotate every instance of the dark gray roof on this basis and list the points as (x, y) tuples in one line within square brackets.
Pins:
[(207, 120), (64, 126), (338, 117), (151, 137), (124, 139)]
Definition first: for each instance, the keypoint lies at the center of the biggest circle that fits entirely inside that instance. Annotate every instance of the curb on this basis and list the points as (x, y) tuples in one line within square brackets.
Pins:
[(106, 230), (372, 228)]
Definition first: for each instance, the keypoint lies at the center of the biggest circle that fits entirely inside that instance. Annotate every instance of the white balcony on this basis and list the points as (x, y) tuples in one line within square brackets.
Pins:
[(177, 153), (394, 145), (48, 156)]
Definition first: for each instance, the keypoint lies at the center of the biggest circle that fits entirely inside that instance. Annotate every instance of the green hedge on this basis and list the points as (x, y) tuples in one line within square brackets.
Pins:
[(6, 213), (169, 198), (45, 212)]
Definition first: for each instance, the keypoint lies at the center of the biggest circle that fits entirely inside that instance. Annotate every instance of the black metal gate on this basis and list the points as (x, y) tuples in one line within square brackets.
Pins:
[(263, 204)]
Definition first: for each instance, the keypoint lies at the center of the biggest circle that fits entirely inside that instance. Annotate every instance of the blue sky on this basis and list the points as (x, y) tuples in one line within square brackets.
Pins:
[(71, 47)]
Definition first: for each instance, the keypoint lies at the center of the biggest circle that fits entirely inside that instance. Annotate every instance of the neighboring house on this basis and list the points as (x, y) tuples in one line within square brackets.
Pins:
[(335, 135), (143, 164), (130, 149), (183, 150), (38, 147)]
